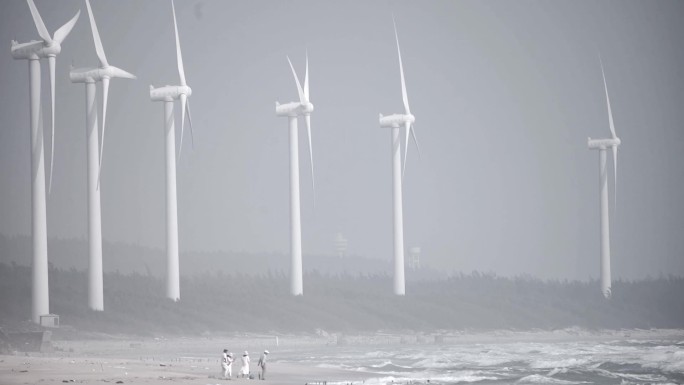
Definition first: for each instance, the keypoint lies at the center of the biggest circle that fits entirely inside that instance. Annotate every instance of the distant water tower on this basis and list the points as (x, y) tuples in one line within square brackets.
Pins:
[(414, 258), (340, 245)]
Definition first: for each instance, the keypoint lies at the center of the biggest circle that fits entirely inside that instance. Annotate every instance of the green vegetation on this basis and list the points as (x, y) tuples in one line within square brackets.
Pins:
[(218, 302)]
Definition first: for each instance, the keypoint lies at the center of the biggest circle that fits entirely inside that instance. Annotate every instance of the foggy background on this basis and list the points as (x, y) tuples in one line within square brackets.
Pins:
[(505, 95)]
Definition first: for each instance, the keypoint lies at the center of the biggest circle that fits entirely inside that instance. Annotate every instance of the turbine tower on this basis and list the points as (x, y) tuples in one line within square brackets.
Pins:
[(602, 145), (292, 110), (395, 122), (168, 94), (33, 51), (90, 76)]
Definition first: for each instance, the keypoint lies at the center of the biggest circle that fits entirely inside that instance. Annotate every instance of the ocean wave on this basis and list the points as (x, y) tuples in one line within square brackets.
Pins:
[(466, 376), (668, 360), (560, 363), (555, 371), (540, 379), (436, 363), (389, 366), (378, 354)]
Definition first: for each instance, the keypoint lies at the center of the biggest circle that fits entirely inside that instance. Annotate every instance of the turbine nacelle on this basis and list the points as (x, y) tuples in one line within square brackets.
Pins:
[(602, 144), (90, 75), (35, 49), (294, 109), (169, 93), (396, 120)]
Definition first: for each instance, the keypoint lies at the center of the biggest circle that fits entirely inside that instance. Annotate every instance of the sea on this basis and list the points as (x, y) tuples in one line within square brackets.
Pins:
[(584, 361)]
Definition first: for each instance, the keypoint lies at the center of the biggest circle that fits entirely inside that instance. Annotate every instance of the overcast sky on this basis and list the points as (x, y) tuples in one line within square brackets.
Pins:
[(505, 95)]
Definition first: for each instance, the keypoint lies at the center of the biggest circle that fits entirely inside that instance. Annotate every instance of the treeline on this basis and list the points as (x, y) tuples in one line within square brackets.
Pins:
[(135, 303)]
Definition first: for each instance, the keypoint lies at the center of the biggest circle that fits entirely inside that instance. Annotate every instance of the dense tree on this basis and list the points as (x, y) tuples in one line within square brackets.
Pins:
[(135, 303)]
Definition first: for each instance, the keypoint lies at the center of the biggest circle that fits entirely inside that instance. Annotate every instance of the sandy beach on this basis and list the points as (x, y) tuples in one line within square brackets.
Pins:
[(154, 361), (15, 370)]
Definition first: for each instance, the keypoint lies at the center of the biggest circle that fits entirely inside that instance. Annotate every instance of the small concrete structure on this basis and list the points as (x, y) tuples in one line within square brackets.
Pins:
[(49, 320)]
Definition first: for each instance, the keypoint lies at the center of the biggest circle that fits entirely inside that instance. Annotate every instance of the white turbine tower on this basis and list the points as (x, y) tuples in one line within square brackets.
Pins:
[(33, 51), (602, 145), (90, 76), (292, 110), (395, 122), (168, 94)]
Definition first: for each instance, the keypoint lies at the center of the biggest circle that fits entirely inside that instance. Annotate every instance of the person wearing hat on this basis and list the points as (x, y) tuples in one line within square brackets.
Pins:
[(224, 363), (262, 365), (244, 370)]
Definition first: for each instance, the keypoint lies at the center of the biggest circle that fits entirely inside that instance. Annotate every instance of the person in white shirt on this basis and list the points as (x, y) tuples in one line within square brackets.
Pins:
[(230, 365), (244, 370), (224, 363)]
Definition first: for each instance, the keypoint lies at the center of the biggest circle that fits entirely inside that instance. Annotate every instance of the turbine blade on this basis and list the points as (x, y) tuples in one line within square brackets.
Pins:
[(610, 113), (192, 134), (51, 63), (306, 78), (40, 26), (96, 37), (407, 129), (404, 96), (105, 94), (183, 100), (415, 140), (307, 119), (119, 73), (31, 45), (299, 86), (179, 56), (64, 30)]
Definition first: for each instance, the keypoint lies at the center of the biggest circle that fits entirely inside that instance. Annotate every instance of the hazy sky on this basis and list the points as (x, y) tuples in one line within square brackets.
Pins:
[(505, 95)]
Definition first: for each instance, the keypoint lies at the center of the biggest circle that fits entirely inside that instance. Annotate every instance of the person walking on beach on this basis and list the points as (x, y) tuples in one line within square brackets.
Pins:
[(262, 365), (224, 363), (244, 370), (230, 366)]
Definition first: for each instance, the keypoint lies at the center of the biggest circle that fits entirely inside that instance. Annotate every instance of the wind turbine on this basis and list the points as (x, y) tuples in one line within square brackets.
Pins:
[(395, 122), (602, 145), (90, 76), (292, 110), (168, 94), (33, 51)]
